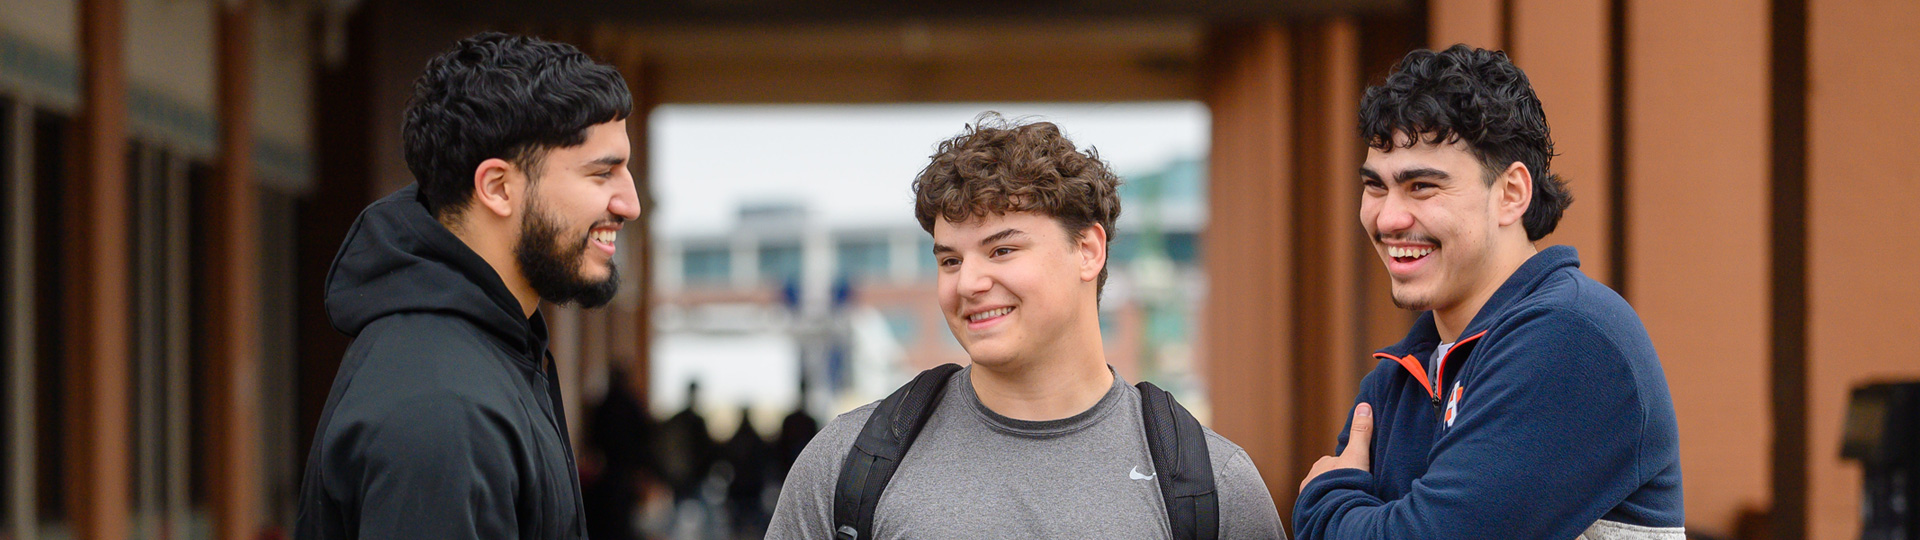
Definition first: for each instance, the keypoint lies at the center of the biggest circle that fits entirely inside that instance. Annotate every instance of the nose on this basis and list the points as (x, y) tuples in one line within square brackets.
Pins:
[(973, 279), (1394, 216), (626, 198)]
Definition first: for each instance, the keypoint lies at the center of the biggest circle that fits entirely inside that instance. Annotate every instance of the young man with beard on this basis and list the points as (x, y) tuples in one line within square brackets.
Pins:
[(1039, 437), (445, 420), (1527, 401)]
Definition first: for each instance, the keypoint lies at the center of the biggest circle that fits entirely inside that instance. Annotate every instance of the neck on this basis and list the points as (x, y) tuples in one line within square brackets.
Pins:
[(1450, 321), (497, 250), (1054, 384)]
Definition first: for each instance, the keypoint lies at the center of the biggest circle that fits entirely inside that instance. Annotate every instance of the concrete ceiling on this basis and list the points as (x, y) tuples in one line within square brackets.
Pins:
[(790, 51), (737, 11)]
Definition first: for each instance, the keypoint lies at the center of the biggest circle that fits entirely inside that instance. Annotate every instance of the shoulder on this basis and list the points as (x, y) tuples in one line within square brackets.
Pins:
[(805, 508), (1230, 461), (1576, 322), (1571, 304), (423, 334), (428, 383), (1246, 507), (819, 463), (426, 356), (1573, 340), (1234, 474), (427, 432)]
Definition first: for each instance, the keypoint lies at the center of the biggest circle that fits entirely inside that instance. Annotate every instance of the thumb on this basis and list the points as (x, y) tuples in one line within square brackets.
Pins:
[(1360, 439)]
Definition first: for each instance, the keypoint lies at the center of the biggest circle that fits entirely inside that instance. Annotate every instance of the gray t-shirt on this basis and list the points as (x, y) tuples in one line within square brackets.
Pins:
[(976, 474)]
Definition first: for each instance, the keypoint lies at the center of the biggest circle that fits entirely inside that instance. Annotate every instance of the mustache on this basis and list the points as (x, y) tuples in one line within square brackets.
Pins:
[(1411, 238)]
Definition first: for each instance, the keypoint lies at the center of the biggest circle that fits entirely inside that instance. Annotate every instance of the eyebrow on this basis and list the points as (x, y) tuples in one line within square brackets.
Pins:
[(939, 248), (607, 161), (1408, 175), (1002, 235)]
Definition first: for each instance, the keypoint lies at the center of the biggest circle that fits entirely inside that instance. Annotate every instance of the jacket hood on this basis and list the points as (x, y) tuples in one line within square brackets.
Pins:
[(1425, 335), (398, 259)]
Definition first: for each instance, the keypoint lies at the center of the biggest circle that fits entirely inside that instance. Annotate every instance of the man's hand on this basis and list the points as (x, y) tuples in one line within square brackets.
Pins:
[(1356, 455)]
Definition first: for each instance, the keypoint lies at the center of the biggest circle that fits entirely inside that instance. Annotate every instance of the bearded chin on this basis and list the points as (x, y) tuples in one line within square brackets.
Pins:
[(552, 265)]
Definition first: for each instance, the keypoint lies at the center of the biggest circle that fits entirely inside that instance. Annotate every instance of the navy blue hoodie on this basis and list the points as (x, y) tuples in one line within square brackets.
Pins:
[(445, 419), (1551, 419)]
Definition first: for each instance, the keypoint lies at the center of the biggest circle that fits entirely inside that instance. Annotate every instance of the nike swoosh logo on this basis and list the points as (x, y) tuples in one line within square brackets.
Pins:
[(1135, 474)]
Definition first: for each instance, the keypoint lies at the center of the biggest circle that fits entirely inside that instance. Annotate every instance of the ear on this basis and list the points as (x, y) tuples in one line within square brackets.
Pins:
[(1512, 194), (497, 187), (1093, 252)]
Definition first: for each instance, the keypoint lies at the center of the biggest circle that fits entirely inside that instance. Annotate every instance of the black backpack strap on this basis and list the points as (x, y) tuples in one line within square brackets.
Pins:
[(1179, 449), (876, 454)]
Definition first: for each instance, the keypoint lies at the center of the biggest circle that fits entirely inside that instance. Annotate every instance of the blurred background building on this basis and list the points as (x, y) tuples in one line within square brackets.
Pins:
[(179, 173)]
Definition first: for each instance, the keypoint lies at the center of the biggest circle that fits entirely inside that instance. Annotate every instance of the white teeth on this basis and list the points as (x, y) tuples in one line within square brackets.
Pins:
[(984, 315), (1400, 252), (604, 236)]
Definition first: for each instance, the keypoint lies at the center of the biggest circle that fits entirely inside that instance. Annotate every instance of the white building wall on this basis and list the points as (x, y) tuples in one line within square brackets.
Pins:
[(49, 24), (904, 256), (170, 67), (172, 75), (282, 99)]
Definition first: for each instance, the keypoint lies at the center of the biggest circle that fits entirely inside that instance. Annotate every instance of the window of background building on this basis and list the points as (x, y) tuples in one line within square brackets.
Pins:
[(200, 176), (779, 263), (278, 376), (144, 228), (7, 258), (924, 254), (862, 258), (1124, 247), (50, 136), (159, 213), (904, 324), (1183, 247), (707, 265)]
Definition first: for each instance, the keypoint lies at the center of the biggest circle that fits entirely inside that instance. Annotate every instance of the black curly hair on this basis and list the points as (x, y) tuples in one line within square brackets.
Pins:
[(1477, 96), (495, 95)]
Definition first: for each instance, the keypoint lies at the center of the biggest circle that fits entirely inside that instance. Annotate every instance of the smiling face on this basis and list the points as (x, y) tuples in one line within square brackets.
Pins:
[(1435, 223), (1015, 286), (572, 216)]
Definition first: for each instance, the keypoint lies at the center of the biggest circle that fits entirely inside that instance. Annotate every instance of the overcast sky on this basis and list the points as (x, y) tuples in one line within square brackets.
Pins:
[(853, 164)]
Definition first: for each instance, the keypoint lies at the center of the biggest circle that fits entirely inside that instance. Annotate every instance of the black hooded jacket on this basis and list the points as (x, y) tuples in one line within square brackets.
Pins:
[(445, 419)]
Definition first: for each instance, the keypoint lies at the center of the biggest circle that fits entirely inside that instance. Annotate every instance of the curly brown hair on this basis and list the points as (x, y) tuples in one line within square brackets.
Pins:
[(999, 166)]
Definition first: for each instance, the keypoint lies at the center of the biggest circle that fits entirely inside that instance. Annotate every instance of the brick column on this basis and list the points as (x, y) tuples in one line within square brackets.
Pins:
[(97, 307), (233, 310), (1860, 198), (1246, 339), (1697, 176), (1564, 46), (1329, 350)]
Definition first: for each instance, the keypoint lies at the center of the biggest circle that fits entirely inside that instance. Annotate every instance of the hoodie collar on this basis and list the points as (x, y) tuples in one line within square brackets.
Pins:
[(398, 259)]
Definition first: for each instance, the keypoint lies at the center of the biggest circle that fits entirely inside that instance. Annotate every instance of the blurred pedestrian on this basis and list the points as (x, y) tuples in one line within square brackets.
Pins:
[(687, 451), (619, 430), (753, 462), (796, 429)]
